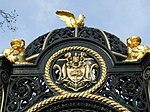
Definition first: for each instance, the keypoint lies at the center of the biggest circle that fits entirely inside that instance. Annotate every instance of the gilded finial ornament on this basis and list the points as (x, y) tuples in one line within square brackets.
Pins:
[(136, 51), (70, 19), (16, 54)]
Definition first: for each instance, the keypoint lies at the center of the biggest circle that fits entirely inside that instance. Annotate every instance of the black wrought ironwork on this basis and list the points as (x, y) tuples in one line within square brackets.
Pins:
[(26, 86), (91, 34), (25, 91), (128, 89), (36, 46)]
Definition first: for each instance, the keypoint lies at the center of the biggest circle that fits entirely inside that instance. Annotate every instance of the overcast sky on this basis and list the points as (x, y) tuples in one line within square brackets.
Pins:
[(122, 18)]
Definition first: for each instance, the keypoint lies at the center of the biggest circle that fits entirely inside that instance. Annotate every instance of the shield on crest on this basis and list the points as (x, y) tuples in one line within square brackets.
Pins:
[(76, 74)]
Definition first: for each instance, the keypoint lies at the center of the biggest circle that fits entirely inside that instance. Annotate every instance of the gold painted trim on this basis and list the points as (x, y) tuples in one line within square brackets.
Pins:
[(43, 47), (102, 99), (106, 38), (76, 48), (149, 89), (46, 40), (118, 54), (2, 93), (32, 57)]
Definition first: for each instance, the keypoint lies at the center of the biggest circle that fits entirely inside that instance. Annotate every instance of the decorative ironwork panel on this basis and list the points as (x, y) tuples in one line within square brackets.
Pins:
[(78, 69), (60, 34), (116, 45), (36, 46), (110, 41), (128, 89), (95, 34), (25, 91)]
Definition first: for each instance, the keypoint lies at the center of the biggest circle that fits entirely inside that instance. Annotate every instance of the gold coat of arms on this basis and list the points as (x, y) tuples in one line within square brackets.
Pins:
[(77, 71)]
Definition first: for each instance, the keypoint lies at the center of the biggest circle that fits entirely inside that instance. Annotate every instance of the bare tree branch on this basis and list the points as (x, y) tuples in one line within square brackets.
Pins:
[(8, 19)]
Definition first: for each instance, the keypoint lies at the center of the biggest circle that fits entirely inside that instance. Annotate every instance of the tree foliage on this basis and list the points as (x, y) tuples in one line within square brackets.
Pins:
[(8, 19)]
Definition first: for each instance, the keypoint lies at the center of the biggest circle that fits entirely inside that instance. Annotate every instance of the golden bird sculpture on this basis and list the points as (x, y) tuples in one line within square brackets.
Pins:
[(70, 19)]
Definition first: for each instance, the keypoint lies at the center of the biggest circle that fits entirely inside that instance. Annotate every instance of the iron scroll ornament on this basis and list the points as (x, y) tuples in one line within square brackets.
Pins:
[(146, 73), (101, 62)]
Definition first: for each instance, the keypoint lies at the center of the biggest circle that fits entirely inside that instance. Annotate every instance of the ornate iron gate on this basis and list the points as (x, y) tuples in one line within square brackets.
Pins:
[(75, 70)]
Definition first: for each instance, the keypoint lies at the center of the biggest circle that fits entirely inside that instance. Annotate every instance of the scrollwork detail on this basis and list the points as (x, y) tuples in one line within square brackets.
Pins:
[(4, 76), (126, 89), (25, 91), (146, 73)]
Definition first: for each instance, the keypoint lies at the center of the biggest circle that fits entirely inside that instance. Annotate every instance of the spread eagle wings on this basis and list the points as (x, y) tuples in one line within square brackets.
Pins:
[(67, 16)]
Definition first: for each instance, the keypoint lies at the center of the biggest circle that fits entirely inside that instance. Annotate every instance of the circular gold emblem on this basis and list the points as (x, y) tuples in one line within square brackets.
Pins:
[(75, 68)]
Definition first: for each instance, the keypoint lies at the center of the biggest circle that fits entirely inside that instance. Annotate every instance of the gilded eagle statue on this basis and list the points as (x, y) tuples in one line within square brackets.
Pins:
[(70, 19)]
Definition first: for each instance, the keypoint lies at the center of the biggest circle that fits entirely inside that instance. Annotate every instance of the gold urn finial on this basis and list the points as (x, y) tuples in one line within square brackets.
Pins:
[(136, 51), (70, 19), (16, 53)]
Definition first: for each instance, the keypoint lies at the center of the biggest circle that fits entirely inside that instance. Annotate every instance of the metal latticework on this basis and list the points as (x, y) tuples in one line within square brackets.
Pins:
[(75, 70)]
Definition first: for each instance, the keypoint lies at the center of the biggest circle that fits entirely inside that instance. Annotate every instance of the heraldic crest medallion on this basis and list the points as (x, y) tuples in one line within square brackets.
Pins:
[(75, 69), (77, 72)]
